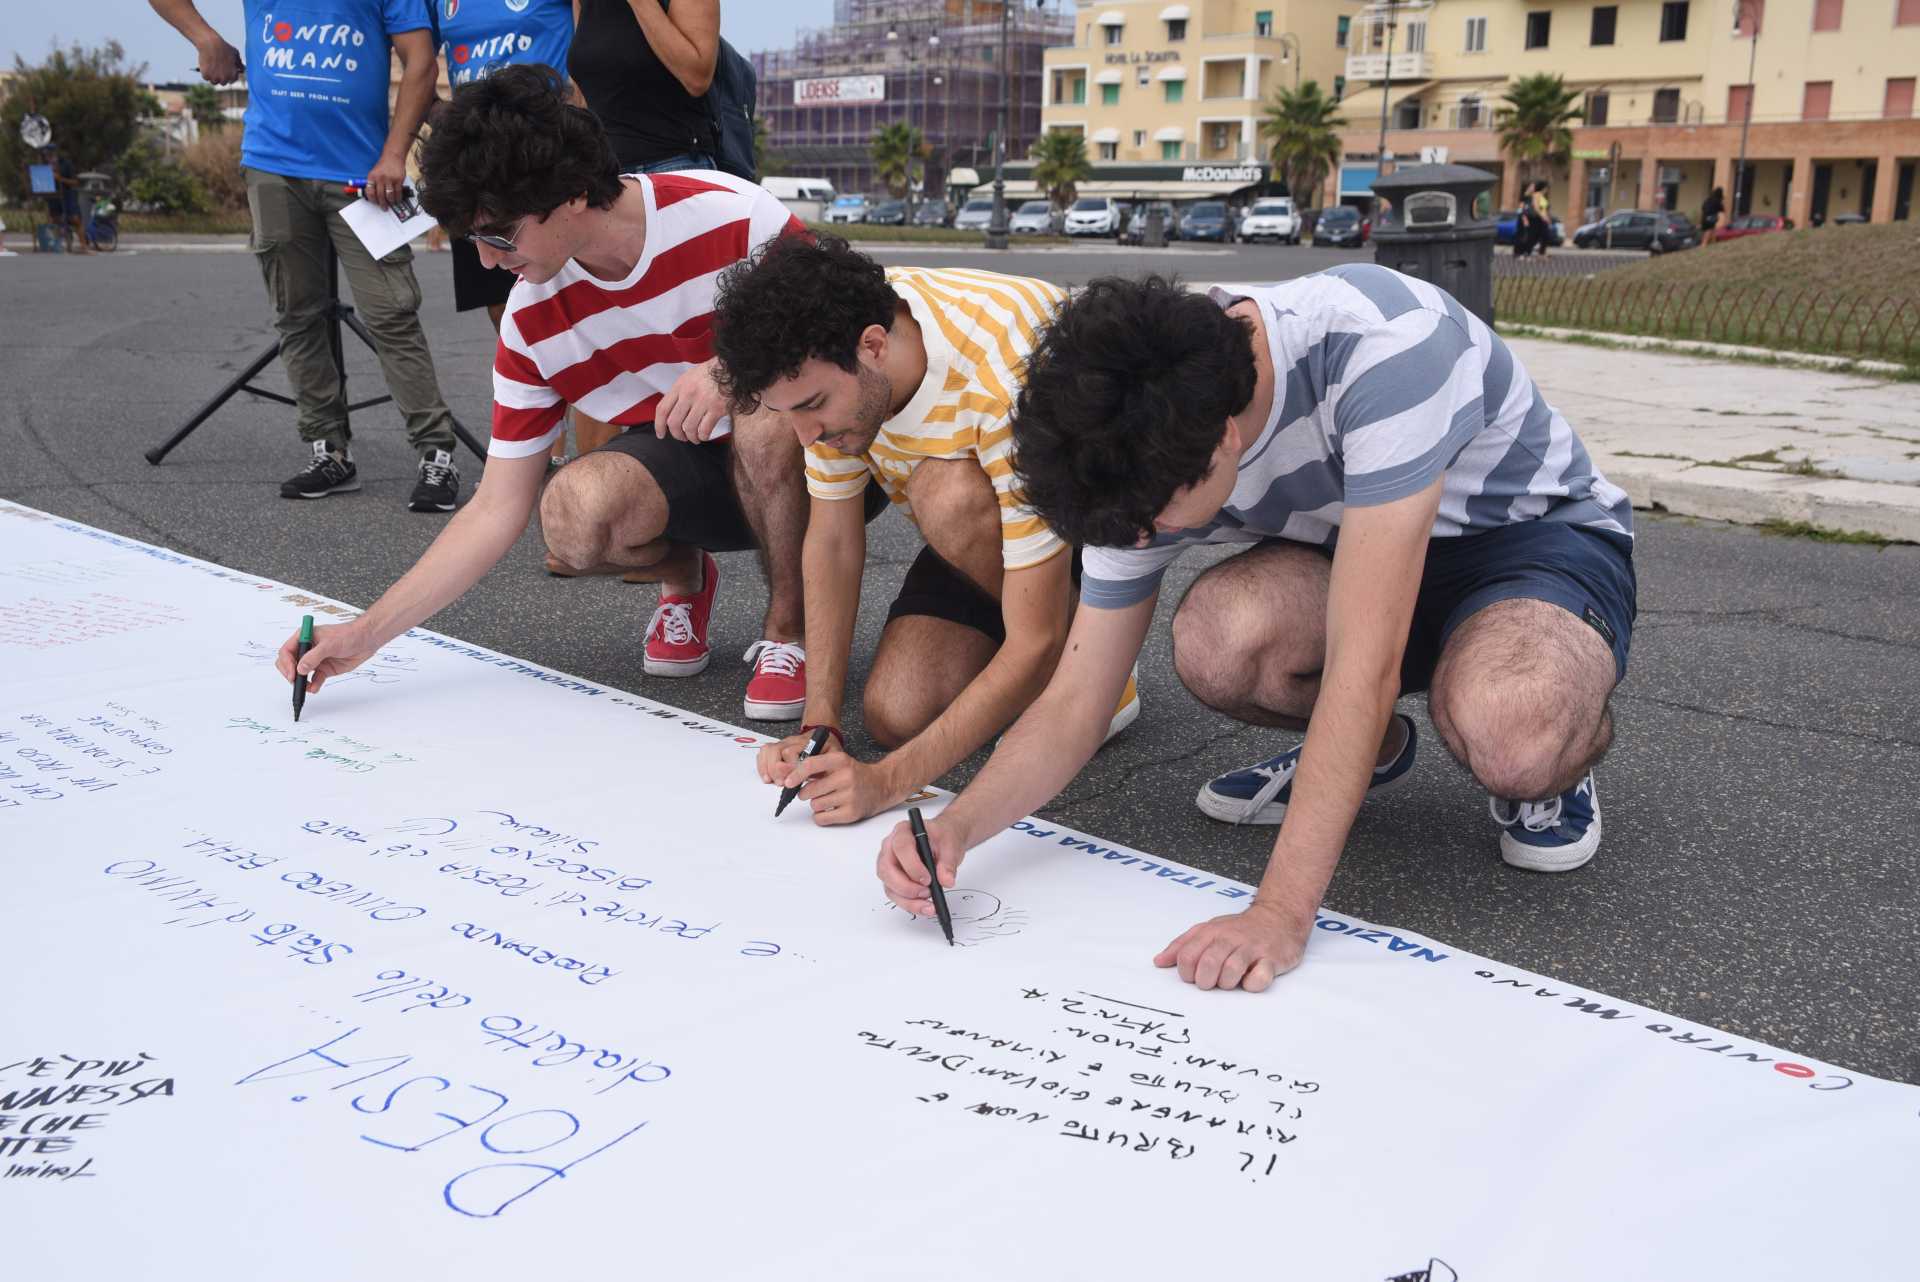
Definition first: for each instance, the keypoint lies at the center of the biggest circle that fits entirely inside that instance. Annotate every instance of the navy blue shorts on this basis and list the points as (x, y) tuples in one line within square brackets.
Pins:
[(1586, 572)]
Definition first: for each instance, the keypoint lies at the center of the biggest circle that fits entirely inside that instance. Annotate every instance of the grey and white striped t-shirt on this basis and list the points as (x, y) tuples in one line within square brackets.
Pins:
[(1381, 383)]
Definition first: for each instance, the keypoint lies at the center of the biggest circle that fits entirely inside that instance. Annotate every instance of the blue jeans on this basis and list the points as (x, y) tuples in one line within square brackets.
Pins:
[(685, 160)]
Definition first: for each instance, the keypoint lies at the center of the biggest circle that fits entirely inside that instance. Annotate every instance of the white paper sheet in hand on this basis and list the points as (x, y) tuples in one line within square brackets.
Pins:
[(381, 230), (482, 969)]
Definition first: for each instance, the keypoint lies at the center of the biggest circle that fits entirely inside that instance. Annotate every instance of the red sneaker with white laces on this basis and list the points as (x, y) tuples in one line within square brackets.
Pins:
[(677, 632), (778, 689)]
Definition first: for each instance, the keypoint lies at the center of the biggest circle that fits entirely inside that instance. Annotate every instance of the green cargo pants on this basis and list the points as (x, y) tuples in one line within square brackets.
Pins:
[(294, 220)]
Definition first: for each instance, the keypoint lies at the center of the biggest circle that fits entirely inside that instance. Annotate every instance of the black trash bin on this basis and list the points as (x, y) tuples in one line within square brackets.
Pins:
[(1433, 232)]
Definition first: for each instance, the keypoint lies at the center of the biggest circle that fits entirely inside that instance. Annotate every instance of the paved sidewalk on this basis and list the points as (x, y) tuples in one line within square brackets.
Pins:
[(1742, 442)]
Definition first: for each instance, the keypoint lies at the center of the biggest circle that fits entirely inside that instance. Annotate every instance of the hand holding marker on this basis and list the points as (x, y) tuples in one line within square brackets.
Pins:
[(814, 744), (300, 652), (925, 847)]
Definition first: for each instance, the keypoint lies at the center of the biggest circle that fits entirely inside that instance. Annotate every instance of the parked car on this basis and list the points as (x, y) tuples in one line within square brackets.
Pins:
[(1751, 225), (1506, 225), (1656, 231), (847, 209), (806, 198), (931, 213), (1206, 220), (1271, 218), (889, 213), (1849, 220), (1341, 225), (1093, 216), (1136, 229), (975, 215), (1033, 218)]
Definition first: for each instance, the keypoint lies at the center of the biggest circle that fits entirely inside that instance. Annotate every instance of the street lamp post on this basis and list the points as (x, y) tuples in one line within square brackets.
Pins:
[(1386, 97), (1290, 44), (1746, 114), (997, 226)]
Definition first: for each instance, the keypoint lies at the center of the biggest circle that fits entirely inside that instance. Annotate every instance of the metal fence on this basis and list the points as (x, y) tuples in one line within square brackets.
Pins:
[(1793, 319), (1572, 262)]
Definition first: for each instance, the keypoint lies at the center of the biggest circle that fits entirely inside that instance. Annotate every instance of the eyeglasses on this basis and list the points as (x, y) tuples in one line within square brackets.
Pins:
[(505, 244)]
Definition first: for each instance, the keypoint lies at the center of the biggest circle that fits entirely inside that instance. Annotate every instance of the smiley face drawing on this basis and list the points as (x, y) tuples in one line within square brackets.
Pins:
[(978, 916)]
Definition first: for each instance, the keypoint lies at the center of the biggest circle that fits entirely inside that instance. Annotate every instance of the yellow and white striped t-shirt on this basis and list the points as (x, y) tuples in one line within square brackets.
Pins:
[(978, 328)]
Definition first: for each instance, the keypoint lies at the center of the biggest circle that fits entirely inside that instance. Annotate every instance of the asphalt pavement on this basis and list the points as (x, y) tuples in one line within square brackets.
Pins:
[(1758, 871)]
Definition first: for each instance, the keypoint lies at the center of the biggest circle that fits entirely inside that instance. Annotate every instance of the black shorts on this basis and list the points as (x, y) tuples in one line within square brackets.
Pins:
[(933, 587), (474, 283), (1586, 572), (697, 480)]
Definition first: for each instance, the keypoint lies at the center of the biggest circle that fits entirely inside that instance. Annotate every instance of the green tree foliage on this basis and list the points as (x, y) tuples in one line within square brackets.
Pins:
[(1535, 122), (1060, 164), (1302, 130), (90, 96), (898, 152), (204, 102), (766, 159)]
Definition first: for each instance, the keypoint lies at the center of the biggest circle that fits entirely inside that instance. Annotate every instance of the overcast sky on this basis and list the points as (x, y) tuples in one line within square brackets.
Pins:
[(32, 27)]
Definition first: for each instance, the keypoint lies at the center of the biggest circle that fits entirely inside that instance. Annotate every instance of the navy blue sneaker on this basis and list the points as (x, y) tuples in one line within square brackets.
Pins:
[(1259, 794), (1557, 835)]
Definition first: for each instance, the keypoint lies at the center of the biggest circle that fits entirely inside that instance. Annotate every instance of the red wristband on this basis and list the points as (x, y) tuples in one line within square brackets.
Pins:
[(832, 730)]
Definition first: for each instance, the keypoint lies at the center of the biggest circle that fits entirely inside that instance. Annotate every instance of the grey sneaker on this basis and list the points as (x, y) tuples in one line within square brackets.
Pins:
[(325, 473), (438, 488)]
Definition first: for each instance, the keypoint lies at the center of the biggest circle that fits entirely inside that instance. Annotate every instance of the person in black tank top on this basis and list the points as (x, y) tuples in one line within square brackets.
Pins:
[(646, 77)]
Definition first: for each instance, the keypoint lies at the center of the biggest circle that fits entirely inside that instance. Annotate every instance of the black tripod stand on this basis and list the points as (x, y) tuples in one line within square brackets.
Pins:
[(338, 314)]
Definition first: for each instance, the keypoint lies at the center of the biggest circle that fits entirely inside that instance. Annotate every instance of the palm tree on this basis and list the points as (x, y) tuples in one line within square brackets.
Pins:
[(1302, 127), (897, 150), (1059, 164), (1535, 124)]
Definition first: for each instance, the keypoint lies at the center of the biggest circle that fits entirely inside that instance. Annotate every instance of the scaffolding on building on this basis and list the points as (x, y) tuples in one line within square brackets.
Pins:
[(939, 61)]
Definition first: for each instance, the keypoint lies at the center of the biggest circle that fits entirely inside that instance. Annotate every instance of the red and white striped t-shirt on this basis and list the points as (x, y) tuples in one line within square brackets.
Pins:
[(613, 347)]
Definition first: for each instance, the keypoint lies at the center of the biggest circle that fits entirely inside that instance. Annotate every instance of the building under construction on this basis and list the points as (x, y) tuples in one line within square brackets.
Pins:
[(931, 64)]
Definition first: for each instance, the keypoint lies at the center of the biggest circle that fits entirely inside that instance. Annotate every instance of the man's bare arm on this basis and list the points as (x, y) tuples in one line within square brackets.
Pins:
[(220, 62)]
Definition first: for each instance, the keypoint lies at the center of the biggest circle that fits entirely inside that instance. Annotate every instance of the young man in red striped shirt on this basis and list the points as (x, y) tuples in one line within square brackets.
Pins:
[(612, 313)]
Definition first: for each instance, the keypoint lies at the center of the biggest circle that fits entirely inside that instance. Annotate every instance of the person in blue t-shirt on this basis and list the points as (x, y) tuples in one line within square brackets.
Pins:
[(476, 38), (317, 122)]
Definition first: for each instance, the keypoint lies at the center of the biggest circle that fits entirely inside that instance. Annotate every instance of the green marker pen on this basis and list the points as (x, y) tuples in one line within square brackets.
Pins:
[(299, 653)]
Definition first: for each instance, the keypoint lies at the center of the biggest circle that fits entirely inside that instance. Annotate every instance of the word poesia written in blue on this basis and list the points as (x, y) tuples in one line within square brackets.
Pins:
[(38, 1099), (421, 1112)]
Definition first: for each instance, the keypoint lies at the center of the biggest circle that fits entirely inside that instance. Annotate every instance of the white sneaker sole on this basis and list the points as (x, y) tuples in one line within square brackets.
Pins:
[(1227, 810), (757, 711), (1565, 858), (676, 667), (349, 488)]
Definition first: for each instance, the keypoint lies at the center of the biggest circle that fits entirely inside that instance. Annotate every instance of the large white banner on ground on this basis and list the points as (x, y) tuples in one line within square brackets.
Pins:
[(483, 969)]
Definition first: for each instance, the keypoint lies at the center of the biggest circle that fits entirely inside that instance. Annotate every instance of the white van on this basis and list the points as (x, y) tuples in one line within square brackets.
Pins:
[(806, 198)]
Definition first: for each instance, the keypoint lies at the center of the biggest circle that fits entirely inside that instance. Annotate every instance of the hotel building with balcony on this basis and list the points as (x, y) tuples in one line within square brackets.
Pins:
[(1169, 96)]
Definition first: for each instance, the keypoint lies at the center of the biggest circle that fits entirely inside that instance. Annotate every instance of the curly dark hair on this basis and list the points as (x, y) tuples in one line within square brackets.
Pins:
[(510, 145), (796, 299), (1127, 394)]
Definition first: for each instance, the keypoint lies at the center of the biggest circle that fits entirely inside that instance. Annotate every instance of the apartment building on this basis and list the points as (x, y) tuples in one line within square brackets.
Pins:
[(1822, 89), (1169, 96)]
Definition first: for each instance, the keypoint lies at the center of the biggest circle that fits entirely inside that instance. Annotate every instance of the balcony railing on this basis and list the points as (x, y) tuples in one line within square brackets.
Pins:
[(1373, 66)]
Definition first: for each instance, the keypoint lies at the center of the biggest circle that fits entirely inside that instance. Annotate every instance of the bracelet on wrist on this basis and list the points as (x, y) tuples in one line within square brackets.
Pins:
[(832, 730)]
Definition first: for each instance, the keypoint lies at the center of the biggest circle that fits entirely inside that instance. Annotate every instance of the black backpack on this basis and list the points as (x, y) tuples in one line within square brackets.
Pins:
[(730, 102)]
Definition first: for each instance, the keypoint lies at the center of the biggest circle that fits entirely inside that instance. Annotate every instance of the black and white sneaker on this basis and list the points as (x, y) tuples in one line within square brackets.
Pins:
[(325, 473), (438, 488)]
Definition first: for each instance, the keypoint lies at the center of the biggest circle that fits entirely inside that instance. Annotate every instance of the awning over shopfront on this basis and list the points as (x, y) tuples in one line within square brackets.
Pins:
[(1111, 76), (1109, 134), (1175, 72), (1362, 107), (1170, 133)]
